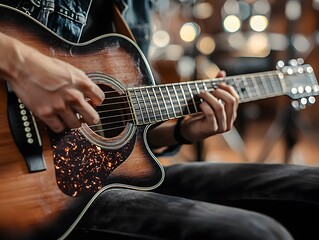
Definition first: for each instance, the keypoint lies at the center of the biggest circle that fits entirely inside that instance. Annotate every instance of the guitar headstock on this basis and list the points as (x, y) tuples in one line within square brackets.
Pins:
[(299, 82)]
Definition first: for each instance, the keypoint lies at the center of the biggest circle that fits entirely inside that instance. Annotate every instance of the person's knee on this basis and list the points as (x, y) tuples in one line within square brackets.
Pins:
[(236, 225), (255, 226)]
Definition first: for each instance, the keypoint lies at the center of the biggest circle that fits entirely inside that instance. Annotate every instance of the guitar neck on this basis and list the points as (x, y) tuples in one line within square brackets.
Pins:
[(152, 104)]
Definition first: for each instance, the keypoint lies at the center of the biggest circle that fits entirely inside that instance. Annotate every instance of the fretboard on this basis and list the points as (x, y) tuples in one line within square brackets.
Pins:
[(152, 104)]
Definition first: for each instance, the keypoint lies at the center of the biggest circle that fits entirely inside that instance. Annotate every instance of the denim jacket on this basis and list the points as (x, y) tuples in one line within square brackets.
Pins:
[(68, 17)]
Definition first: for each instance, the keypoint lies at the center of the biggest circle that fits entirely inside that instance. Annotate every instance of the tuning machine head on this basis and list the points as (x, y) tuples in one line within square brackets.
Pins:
[(292, 62), (302, 103)]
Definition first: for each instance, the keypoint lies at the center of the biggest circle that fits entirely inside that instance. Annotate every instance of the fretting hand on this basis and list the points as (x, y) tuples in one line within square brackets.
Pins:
[(219, 111)]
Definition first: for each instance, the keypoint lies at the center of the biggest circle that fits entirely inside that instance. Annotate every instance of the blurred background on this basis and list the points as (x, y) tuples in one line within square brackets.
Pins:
[(193, 39)]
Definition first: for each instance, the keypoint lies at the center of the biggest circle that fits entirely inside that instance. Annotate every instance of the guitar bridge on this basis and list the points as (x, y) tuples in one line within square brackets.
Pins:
[(25, 133)]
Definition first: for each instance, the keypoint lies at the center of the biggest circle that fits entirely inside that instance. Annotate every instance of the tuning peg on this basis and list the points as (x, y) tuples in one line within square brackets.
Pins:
[(311, 100), (296, 62), (299, 104), (300, 61), (303, 102), (295, 104), (293, 62), (280, 64)]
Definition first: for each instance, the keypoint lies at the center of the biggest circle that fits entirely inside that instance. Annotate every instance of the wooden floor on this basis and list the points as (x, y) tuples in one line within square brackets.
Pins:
[(263, 141)]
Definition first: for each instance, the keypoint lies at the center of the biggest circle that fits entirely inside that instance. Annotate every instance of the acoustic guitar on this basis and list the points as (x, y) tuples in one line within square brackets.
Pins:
[(49, 179)]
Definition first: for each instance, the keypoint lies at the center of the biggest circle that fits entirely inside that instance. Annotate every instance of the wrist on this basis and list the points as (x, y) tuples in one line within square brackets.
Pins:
[(178, 133), (10, 58)]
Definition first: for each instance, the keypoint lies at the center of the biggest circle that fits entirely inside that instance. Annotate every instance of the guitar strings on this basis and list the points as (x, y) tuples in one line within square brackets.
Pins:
[(179, 95), (260, 83), (254, 95), (170, 109)]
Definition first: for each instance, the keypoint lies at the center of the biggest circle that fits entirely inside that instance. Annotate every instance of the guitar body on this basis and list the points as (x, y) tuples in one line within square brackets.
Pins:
[(78, 164)]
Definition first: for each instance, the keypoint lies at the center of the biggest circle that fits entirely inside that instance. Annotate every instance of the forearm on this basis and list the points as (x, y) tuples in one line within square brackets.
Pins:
[(162, 135), (11, 57)]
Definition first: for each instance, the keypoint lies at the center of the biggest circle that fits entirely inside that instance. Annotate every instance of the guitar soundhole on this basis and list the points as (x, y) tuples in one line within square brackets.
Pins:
[(114, 113)]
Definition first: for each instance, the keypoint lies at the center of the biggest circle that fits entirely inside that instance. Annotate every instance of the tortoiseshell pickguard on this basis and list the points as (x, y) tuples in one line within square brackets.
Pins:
[(82, 167)]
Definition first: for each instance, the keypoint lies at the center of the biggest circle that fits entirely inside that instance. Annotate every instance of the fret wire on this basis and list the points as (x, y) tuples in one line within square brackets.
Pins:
[(174, 97), (140, 108), (275, 82), (159, 107), (262, 89), (170, 98), (164, 102), (266, 87), (243, 89), (196, 85), (205, 87), (240, 93), (278, 81), (132, 104), (269, 84), (145, 107), (245, 86), (185, 99), (272, 83), (254, 93), (194, 88), (259, 88), (148, 98), (179, 103), (135, 106), (152, 112), (168, 102), (257, 91), (151, 102), (233, 83), (248, 88), (281, 80), (192, 96), (168, 108)]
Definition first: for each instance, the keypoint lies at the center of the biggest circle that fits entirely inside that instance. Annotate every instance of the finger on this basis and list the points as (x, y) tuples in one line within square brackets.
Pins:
[(88, 113), (221, 74), (230, 105), (54, 123), (95, 94), (91, 90), (218, 109), (78, 104), (47, 113), (70, 118), (231, 90), (209, 116)]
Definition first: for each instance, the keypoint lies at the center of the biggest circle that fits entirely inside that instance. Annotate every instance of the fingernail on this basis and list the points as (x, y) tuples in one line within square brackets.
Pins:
[(96, 120)]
